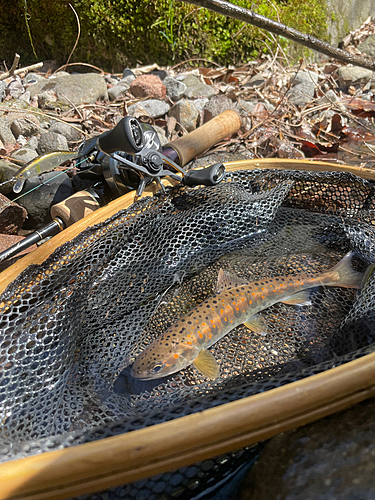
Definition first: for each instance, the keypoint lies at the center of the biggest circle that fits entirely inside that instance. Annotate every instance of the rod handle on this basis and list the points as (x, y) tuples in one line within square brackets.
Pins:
[(75, 208), (193, 144)]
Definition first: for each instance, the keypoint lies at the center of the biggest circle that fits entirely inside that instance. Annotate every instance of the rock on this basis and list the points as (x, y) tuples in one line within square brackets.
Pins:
[(304, 77), (161, 134), (196, 88), (245, 107), (126, 80), (329, 97), (152, 107), (15, 89), (160, 73), (332, 458), (368, 46), (25, 97), (7, 172), (148, 86), (27, 126), (23, 155), (70, 133), (3, 86), (185, 113), (76, 89), (116, 90), (52, 141), (32, 78), (255, 81), (175, 88), (12, 216), (216, 105), (301, 94), (200, 103), (52, 189), (32, 143), (127, 72), (6, 135), (353, 75)]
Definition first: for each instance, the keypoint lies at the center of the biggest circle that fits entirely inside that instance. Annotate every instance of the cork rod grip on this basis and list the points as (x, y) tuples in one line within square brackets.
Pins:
[(206, 136)]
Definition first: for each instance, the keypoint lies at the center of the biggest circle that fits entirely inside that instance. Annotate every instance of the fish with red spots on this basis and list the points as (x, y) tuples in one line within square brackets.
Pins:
[(236, 302)]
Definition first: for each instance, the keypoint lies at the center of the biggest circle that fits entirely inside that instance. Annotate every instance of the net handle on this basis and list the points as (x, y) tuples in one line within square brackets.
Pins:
[(118, 460)]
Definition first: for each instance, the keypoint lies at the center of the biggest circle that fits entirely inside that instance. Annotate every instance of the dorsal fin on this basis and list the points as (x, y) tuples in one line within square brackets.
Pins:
[(227, 280)]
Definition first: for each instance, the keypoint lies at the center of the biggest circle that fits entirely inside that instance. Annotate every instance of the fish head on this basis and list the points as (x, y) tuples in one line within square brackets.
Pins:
[(159, 360)]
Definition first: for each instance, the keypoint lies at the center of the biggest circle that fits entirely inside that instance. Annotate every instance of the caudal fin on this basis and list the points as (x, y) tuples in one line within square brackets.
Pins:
[(348, 277)]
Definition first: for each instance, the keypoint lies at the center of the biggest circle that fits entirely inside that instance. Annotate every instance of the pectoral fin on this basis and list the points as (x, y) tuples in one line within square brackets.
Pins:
[(298, 299), (207, 364), (227, 280), (256, 324)]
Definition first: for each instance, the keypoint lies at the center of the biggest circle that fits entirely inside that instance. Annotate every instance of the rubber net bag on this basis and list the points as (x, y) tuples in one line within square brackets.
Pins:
[(72, 326)]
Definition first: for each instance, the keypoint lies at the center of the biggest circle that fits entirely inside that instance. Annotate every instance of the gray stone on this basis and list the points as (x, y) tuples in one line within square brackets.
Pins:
[(185, 113), (301, 94), (70, 133), (161, 134), (7, 172), (117, 90), (27, 126), (25, 97), (127, 72), (332, 458), (76, 89), (47, 99), (175, 88), (196, 88), (32, 143), (353, 75), (200, 103), (126, 80), (255, 81), (23, 155), (245, 107), (51, 189), (216, 105), (329, 97), (52, 141), (32, 78), (6, 136), (153, 108), (3, 86), (15, 89), (21, 140), (304, 77), (368, 46)]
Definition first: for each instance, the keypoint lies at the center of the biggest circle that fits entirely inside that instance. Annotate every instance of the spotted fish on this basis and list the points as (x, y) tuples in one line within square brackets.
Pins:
[(236, 302)]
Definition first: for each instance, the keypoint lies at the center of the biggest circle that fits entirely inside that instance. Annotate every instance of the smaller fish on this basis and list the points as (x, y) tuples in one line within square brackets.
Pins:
[(39, 165), (236, 302)]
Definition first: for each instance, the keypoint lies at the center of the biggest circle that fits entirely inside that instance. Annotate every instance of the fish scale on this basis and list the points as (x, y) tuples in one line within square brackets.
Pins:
[(235, 303)]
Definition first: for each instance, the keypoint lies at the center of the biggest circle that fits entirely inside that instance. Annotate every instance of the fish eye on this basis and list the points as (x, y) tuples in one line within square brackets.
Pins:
[(156, 368)]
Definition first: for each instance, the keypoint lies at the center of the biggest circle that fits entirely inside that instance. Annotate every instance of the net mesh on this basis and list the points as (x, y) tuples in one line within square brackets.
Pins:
[(72, 327)]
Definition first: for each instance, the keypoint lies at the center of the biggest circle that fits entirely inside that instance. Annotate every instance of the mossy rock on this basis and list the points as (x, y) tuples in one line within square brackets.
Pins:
[(120, 33)]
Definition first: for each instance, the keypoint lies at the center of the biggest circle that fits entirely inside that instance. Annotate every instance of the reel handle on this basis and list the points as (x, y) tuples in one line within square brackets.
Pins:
[(191, 145), (208, 176), (127, 136)]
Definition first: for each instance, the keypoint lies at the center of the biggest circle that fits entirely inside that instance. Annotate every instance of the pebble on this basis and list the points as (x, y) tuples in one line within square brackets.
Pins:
[(153, 108), (6, 135), (24, 155), (216, 105), (175, 88), (368, 46), (352, 75), (7, 172), (52, 189), (196, 88), (116, 90), (185, 113), (15, 89), (148, 86), (70, 133), (3, 86), (77, 89), (12, 216), (52, 141), (27, 126)]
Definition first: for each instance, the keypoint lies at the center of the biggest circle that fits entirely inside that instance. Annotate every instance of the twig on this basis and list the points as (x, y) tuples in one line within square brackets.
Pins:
[(250, 17), (79, 64), (13, 67), (78, 35)]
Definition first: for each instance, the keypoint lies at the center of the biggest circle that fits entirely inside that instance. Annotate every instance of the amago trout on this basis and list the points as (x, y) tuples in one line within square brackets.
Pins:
[(236, 302)]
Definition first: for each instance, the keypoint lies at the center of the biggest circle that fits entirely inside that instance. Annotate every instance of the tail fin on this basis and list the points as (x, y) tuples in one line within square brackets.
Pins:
[(347, 276)]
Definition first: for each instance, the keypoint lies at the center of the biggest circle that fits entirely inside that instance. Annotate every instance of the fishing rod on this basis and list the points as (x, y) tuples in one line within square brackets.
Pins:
[(128, 157)]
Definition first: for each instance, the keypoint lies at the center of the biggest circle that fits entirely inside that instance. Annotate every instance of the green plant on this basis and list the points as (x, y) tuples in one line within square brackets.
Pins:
[(167, 22)]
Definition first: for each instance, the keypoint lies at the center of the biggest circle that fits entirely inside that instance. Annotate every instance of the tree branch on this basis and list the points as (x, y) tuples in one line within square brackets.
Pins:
[(250, 17)]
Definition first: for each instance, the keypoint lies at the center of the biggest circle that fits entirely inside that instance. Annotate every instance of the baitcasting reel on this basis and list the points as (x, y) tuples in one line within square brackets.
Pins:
[(131, 156)]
